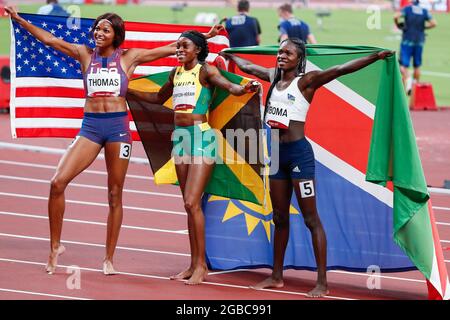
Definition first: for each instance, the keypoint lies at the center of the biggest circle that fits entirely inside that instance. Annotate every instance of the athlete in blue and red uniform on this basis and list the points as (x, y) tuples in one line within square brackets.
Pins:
[(106, 70), (287, 104)]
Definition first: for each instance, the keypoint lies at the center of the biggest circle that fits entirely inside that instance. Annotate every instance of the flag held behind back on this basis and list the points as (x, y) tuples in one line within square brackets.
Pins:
[(238, 172)]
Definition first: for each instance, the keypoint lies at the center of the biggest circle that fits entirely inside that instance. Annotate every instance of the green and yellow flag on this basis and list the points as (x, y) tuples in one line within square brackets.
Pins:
[(239, 169)]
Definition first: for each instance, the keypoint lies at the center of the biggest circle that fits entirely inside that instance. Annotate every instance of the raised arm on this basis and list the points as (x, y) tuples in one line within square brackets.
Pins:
[(249, 67), (213, 76), (137, 56), (76, 51), (316, 79), (164, 93)]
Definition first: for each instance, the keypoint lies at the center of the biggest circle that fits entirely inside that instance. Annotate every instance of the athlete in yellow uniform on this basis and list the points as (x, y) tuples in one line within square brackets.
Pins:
[(191, 87)]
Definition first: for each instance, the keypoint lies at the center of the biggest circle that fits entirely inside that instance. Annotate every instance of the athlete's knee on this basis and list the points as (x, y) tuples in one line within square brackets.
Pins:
[(57, 185), (312, 220), (191, 205), (280, 219), (115, 196)]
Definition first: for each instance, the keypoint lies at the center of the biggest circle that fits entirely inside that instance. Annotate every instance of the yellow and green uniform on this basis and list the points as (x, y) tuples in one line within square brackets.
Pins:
[(189, 96)]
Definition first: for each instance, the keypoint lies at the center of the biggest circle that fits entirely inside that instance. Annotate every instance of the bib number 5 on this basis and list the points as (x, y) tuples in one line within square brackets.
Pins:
[(307, 189)]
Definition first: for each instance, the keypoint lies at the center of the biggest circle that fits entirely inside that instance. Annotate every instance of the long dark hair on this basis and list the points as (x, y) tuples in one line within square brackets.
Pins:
[(301, 66)]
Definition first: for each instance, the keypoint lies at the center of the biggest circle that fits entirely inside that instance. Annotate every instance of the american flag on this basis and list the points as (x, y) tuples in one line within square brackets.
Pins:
[(47, 93)]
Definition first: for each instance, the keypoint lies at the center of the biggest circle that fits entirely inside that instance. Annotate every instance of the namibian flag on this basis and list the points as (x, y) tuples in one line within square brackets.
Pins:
[(239, 171), (371, 191)]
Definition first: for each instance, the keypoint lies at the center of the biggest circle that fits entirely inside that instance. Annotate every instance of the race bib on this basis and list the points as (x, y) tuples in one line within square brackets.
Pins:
[(184, 98), (103, 82), (277, 116)]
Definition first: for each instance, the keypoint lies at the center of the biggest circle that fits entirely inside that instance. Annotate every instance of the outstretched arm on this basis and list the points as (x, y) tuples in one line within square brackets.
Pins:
[(316, 79), (137, 56), (249, 67), (164, 93), (213, 76), (75, 51)]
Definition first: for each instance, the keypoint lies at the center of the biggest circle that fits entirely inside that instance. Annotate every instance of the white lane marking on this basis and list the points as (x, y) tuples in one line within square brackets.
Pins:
[(98, 204), (166, 278), (42, 294), (88, 244), (44, 166), (91, 186), (26, 147), (25, 215), (442, 208), (360, 274)]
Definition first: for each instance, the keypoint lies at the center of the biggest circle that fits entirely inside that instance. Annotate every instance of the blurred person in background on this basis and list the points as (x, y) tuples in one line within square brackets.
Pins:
[(53, 8), (242, 29), (412, 20), (291, 27)]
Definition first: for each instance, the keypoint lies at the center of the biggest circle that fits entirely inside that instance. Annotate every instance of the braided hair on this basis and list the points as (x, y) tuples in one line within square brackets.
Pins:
[(200, 41), (301, 66)]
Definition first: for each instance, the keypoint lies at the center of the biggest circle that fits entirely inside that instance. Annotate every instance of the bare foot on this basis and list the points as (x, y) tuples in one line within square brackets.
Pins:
[(108, 268), (198, 276), (186, 274), (319, 291), (268, 283), (53, 259)]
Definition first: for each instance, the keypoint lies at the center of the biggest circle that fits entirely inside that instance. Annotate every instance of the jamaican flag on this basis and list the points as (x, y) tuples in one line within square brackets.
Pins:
[(239, 169)]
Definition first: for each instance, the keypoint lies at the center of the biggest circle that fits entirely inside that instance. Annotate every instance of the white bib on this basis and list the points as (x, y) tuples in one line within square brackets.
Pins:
[(286, 105), (103, 82)]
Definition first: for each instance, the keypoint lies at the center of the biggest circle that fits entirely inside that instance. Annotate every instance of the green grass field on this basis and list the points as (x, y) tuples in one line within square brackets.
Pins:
[(345, 27)]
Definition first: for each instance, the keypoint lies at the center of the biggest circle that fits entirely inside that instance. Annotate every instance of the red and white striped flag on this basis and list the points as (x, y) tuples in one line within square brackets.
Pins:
[(47, 93)]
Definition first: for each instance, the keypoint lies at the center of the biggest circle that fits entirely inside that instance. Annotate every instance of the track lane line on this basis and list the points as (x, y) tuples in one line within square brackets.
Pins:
[(51, 167), (98, 204), (42, 294), (179, 254), (89, 244), (91, 186), (32, 216), (168, 279)]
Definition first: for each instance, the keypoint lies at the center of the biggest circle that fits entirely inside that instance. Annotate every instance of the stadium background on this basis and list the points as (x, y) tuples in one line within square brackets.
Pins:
[(346, 24)]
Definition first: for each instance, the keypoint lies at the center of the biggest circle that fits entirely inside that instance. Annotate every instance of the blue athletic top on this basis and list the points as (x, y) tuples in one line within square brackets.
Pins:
[(243, 30), (294, 28), (415, 18)]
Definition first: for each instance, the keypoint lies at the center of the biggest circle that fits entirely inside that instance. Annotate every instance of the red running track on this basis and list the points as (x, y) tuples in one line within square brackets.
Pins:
[(153, 243)]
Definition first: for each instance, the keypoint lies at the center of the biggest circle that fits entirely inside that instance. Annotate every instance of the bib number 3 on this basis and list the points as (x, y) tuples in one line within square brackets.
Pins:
[(125, 151), (307, 189)]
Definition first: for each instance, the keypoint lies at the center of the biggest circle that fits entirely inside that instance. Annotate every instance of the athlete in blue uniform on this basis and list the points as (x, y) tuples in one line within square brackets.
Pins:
[(242, 29), (291, 27), (106, 70), (287, 104), (416, 20)]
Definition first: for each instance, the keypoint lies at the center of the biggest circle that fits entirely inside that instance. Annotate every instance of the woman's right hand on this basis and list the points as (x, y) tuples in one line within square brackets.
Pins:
[(252, 86), (11, 11)]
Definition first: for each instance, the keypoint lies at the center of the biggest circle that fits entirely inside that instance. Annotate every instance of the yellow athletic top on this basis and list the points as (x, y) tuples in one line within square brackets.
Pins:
[(189, 96)]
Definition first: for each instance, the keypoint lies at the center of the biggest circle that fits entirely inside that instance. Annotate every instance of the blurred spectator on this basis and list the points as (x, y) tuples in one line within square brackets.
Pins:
[(242, 29), (415, 20), (53, 8), (291, 27)]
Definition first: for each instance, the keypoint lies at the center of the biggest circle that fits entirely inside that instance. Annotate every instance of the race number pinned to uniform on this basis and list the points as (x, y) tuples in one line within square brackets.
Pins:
[(307, 189), (125, 151)]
